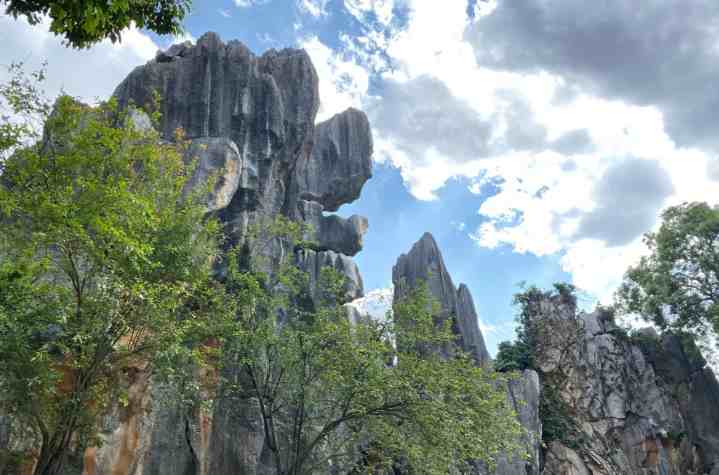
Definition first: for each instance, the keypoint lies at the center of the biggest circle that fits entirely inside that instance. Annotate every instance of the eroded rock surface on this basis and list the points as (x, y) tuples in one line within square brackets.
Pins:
[(424, 263), (645, 405), (250, 125)]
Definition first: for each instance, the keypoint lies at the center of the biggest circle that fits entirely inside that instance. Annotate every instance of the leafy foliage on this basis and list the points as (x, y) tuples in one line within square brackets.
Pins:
[(557, 423), (105, 263), (89, 21), (23, 109), (332, 391), (677, 285), (520, 354), (535, 325)]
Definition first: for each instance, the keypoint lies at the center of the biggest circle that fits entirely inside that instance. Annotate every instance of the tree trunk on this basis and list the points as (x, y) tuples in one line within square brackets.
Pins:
[(53, 456)]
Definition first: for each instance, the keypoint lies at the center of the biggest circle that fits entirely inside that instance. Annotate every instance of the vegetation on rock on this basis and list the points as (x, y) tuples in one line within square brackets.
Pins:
[(336, 392), (105, 263)]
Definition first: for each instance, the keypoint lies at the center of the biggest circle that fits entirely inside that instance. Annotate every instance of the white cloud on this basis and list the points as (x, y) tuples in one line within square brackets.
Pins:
[(224, 13), (376, 303), (89, 74), (542, 196), (315, 8), (250, 3), (342, 82), (362, 10)]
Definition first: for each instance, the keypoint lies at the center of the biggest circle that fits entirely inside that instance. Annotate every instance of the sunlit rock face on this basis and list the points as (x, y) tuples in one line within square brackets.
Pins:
[(424, 263), (252, 119), (250, 125), (640, 406)]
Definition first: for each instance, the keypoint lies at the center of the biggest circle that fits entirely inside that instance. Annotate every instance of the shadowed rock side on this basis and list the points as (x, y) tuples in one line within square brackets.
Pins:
[(424, 263), (250, 122), (645, 405)]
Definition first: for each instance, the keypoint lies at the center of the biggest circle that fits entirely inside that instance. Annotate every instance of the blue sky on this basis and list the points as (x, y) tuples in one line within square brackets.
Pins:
[(537, 140)]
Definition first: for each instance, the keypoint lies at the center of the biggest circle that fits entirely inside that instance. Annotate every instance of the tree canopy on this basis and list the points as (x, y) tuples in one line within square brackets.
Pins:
[(677, 285), (105, 263), (83, 23), (335, 391), (109, 264)]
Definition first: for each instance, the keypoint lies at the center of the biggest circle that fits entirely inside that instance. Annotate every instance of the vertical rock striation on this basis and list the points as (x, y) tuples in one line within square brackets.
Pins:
[(250, 122), (424, 263), (640, 405)]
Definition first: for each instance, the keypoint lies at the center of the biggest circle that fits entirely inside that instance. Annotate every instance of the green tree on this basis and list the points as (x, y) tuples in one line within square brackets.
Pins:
[(83, 23), (104, 263), (677, 285), (336, 392), (520, 354)]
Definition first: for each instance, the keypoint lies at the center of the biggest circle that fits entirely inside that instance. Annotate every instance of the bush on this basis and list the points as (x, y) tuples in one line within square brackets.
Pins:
[(513, 357)]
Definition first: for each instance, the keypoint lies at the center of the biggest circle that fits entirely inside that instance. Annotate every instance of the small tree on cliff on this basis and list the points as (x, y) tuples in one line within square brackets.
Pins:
[(677, 285), (336, 394), (104, 264)]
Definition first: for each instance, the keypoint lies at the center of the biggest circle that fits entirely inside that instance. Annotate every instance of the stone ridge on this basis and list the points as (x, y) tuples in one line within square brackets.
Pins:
[(250, 121), (251, 118), (639, 406), (424, 262)]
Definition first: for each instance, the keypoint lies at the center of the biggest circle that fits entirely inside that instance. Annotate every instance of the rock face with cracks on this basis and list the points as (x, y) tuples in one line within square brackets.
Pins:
[(250, 124), (424, 263), (640, 405)]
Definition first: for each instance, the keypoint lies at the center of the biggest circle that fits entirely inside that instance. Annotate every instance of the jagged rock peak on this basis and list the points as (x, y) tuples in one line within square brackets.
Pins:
[(424, 262), (639, 405), (217, 89), (251, 118), (250, 121)]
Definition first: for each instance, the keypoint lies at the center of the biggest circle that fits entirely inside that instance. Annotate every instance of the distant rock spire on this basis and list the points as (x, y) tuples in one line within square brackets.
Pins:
[(424, 262)]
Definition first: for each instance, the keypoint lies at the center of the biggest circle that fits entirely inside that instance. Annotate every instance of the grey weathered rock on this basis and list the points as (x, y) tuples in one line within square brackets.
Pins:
[(638, 406), (250, 122), (218, 158), (424, 262), (472, 338), (332, 231), (313, 262), (340, 163)]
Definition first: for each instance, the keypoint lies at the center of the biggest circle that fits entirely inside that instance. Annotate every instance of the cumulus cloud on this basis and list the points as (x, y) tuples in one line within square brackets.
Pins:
[(423, 113), (342, 81), (371, 10), (89, 74), (629, 196), (661, 53), (315, 8), (577, 141)]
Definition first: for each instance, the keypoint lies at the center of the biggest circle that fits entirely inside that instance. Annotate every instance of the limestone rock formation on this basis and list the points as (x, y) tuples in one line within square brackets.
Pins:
[(250, 123), (636, 405), (251, 119), (424, 263)]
